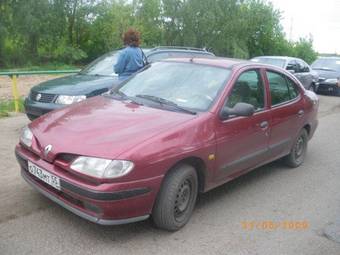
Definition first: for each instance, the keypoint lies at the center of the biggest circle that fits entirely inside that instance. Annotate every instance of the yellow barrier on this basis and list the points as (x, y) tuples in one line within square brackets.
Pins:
[(15, 74)]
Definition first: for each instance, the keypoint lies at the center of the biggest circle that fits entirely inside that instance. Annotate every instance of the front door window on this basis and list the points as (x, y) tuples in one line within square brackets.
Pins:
[(248, 89)]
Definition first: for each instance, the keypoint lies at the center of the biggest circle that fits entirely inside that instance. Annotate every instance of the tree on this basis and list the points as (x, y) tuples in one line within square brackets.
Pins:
[(303, 49), (77, 31), (148, 20)]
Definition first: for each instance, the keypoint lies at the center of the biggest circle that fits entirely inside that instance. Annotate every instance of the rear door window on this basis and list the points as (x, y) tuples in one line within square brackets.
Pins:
[(293, 91), (281, 88)]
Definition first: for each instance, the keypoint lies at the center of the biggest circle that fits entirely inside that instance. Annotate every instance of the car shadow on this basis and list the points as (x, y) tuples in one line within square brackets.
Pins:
[(234, 186), (122, 233)]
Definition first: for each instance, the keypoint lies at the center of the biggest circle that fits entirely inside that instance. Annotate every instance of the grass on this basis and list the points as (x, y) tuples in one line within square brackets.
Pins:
[(7, 106)]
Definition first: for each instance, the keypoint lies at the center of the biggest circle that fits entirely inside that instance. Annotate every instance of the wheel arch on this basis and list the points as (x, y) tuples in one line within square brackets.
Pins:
[(308, 128), (198, 164)]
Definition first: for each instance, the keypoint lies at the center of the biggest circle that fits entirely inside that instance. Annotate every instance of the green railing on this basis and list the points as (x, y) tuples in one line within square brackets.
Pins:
[(14, 74)]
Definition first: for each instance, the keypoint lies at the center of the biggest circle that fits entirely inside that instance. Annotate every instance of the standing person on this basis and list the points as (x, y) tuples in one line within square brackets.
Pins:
[(131, 58)]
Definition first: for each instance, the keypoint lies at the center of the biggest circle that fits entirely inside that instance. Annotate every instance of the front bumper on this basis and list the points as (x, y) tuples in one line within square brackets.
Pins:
[(328, 88), (105, 204), (36, 109)]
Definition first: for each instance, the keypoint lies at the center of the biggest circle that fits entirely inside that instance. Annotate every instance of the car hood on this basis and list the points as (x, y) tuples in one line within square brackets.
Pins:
[(327, 74), (75, 84), (102, 127)]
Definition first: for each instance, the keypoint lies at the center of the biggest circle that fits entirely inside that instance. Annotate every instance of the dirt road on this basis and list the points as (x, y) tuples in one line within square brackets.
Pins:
[(25, 83), (31, 224)]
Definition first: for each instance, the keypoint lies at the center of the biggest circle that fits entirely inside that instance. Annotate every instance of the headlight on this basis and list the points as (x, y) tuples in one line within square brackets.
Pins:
[(331, 80), (26, 136), (102, 168), (69, 99)]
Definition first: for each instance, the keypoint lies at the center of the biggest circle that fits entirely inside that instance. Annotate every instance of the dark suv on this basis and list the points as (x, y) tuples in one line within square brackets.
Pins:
[(328, 69), (299, 68), (97, 78)]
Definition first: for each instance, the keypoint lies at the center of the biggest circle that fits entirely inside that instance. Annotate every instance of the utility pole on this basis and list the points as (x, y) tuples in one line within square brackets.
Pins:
[(291, 29)]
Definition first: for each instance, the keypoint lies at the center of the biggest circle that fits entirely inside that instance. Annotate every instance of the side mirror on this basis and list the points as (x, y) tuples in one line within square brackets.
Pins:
[(240, 109)]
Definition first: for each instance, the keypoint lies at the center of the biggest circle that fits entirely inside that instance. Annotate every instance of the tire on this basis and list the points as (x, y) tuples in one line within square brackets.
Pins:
[(31, 117), (337, 93), (176, 198), (298, 152)]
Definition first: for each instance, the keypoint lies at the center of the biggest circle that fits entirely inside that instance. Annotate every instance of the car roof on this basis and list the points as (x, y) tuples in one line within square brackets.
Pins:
[(278, 57), (331, 57), (177, 49), (227, 63), (217, 61)]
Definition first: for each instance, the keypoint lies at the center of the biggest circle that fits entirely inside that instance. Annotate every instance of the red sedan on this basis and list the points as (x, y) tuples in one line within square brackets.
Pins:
[(176, 129)]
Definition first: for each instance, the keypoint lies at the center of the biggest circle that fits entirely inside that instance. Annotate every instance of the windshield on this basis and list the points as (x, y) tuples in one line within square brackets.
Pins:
[(271, 61), (191, 86), (102, 65), (332, 64)]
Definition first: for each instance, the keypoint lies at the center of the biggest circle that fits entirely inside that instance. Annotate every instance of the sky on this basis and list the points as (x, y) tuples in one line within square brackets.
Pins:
[(318, 18)]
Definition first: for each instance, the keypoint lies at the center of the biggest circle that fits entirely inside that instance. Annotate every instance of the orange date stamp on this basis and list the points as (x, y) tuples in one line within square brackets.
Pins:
[(270, 225)]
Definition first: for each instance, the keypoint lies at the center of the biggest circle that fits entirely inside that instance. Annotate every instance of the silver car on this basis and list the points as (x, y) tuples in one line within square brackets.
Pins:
[(296, 66)]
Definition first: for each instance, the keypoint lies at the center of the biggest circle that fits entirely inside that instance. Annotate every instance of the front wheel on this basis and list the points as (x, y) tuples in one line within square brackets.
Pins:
[(312, 88), (176, 199), (31, 117), (298, 153)]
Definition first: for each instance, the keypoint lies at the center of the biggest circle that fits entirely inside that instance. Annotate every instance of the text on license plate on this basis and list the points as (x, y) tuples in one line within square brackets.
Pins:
[(43, 175)]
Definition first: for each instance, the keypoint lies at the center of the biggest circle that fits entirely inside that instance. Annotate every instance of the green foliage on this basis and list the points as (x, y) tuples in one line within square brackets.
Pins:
[(39, 32), (7, 106), (304, 49)]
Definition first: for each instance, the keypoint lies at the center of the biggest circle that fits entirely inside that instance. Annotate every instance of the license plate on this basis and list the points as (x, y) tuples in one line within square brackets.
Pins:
[(43, 175), (330, 89)]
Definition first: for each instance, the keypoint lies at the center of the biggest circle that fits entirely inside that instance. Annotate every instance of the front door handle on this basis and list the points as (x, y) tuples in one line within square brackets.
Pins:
[(301, 113), (264, 124)]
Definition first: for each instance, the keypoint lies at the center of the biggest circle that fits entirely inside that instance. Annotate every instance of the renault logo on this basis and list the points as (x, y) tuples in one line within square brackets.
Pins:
[(47, 149), (38, 97)]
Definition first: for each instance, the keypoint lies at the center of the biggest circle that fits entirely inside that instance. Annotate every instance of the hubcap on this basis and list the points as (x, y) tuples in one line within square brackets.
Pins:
[(299, 148), (182, 198)]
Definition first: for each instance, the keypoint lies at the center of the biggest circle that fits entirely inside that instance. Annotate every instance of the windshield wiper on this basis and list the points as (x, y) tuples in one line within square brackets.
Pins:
[(123, 96), (164, 101)]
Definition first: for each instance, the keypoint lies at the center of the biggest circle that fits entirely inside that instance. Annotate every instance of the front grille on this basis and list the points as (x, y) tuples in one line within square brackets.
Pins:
[(67, 158), (42, 97)]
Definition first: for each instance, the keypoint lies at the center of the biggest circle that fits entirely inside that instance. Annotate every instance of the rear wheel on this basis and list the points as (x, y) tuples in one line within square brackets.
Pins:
[(298, 153), (176, 199)]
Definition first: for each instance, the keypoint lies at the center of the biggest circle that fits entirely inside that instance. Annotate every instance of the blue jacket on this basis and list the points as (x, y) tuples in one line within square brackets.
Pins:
[(130, 60)]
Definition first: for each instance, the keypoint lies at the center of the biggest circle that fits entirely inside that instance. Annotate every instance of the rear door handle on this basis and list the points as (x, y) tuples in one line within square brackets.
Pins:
[(301, 112)]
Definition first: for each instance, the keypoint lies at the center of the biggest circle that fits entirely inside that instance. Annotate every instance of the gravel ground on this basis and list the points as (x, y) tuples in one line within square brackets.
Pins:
[(25, 83), (31, 224)]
